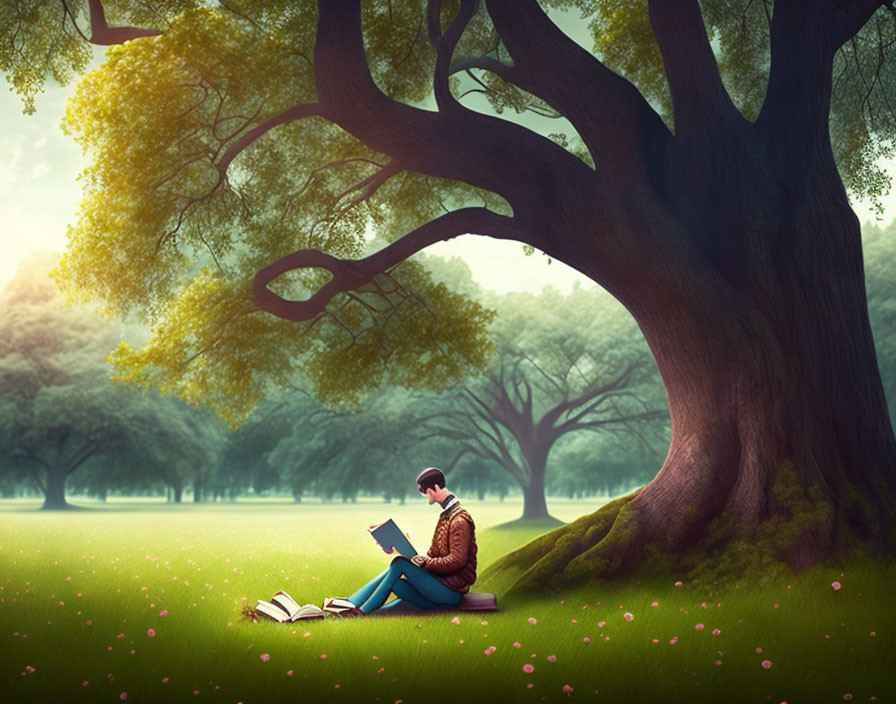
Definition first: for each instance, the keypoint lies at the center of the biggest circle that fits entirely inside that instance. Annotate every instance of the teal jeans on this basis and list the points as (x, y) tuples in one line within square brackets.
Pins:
[(409, 583)]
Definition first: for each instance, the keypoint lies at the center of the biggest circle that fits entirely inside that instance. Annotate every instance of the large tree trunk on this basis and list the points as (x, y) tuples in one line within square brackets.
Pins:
[(54, 492), (782, 449)]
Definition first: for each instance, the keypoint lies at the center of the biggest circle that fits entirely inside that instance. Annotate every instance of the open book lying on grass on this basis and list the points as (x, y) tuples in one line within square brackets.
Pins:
[(282, 607)]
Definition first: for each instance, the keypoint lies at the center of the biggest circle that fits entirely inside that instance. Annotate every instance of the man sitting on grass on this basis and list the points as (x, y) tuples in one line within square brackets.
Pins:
[(438, 579)]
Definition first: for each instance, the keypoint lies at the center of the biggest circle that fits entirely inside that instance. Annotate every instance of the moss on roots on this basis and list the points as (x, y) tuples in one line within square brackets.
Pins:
[(566, 555)]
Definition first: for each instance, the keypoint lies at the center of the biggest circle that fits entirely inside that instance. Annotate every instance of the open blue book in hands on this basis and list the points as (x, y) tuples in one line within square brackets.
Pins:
[(390, 538)]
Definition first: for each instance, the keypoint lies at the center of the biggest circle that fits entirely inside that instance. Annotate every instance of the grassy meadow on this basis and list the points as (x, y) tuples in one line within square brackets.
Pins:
[(142, 602)]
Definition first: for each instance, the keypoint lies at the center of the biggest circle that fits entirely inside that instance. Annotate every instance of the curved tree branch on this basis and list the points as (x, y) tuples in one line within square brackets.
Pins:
[(296, 112), (104, 35), (445, 45), (350, 274), (461, 145), (614, 120)]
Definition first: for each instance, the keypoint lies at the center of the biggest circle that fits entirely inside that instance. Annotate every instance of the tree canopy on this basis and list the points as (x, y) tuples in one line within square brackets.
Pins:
[(218, 148)]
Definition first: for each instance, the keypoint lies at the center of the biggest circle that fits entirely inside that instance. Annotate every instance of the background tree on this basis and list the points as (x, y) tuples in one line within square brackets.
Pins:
[(729, 237), (58, 407), (564, 364)]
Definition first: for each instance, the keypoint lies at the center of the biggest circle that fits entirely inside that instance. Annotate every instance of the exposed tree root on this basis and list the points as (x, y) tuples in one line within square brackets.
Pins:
[(614, 542), (566, 555)]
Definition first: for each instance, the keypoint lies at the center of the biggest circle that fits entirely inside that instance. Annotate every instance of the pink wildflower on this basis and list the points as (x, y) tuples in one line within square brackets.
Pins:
[(163, 612), (847, 697), (586, 639), (673, 641), (698, 627), (532, 621), (716, 631), (323, 656), (455, 621), (601, 624), (489, 650), (654, 604), (567, 689), (628, 616), (123, 696), (836, 586), (552, 658), (677, 584), (528, 667), (766, 664), (704, 605), (165, 680), (289, 673), (517, 645), (151, 632), (265, 657)]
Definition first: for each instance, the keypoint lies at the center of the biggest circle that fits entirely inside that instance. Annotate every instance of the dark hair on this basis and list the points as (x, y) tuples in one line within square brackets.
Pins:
[(428, 478)]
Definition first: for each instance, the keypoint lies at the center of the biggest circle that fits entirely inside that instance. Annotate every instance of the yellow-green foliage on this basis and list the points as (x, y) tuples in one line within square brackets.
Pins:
[(161, 233)]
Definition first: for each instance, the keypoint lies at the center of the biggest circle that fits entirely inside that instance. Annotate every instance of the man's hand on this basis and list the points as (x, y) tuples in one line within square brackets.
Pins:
[(419, 560)]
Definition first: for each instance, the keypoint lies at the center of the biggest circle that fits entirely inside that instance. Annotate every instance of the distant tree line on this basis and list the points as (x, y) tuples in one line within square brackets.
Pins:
[(571, 405)]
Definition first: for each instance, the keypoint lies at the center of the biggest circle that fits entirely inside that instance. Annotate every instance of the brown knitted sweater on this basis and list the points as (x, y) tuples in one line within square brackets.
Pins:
[(452, 555)]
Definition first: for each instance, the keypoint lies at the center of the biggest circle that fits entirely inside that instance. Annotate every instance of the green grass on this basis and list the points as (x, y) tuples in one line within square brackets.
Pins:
[(119, 566)]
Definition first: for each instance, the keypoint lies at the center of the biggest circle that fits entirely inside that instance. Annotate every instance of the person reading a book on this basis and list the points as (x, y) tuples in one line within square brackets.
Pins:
[(438, 579)]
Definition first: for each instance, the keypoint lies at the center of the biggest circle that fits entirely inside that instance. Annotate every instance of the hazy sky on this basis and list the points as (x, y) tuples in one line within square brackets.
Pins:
[(39, 196)]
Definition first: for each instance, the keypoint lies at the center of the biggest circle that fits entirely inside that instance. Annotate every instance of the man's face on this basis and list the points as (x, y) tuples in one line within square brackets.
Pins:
[(431, 494)]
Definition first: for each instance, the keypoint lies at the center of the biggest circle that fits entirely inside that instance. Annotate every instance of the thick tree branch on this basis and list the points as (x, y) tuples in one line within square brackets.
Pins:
[(104, 35), (701, 104), (461, 145), (797, 101), (614, 120), (445, 45), (349, 275), (855, 14)]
